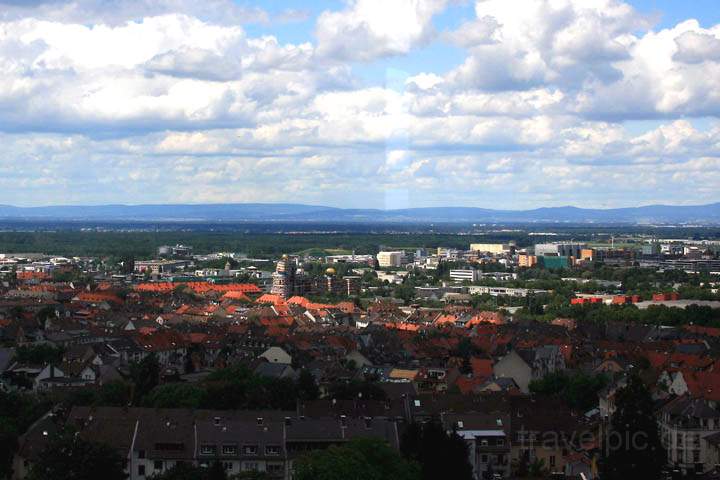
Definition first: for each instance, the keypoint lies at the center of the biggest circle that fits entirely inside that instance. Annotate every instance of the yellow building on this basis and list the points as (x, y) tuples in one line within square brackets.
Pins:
[(494, 248), (527, 261)]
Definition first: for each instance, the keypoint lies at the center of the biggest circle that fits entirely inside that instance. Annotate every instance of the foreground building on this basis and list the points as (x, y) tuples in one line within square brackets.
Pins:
[(155, 440)]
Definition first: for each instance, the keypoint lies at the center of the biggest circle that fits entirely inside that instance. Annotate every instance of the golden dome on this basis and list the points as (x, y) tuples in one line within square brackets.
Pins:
[(330, 271)]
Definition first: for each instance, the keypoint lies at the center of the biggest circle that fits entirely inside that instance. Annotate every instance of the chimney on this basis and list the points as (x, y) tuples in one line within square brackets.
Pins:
[(260, 420)]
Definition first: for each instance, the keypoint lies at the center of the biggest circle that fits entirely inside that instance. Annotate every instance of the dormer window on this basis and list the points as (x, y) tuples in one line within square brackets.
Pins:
[(207, 449)]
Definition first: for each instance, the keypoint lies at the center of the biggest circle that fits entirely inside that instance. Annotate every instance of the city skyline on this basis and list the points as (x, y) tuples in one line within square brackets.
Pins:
[(494, 104)]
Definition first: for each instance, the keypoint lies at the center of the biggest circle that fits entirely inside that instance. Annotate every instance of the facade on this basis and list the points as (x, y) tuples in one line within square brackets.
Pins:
[(390, 259), (554, 261), (157, 267), (465, 275), (351, 285), (514, 366), (527, 261), (494, 248), (502, 291), (488, 441), (689, 431), (559, 249), (289, 280)]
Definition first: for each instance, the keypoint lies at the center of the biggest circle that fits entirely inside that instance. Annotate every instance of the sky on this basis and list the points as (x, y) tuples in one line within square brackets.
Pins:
[(507, 104)]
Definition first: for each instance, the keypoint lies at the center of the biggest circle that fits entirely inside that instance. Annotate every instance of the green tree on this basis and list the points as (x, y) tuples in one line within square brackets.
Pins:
[(39, 354), (216, 472), (145, 375), (359, 459), (17, 412), (439, 454), (68, 456), (578, 390), (306, 386), (633, 448), (175, 395)]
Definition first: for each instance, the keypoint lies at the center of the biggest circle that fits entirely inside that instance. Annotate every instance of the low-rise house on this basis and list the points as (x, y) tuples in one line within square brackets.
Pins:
[(523, 366), (276, 355)]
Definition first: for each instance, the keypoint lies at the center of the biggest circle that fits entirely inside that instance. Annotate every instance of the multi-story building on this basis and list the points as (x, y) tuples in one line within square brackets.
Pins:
[(465, 275), (157, 267), (488, 440), (689, 428), (289, 280), (351, 285), (494, 248), (527, 261), (559, 249), (390, 259)]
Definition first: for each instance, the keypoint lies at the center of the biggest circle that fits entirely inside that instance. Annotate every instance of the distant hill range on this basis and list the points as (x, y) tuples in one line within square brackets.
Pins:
[(278, 212)]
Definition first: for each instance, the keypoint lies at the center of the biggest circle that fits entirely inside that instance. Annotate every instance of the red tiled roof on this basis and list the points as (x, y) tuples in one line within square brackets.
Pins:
[(198, 287), (494, 318), (709, 331), (703, 384), (271, 299), (96, 297), (482, 367), (236, 295)]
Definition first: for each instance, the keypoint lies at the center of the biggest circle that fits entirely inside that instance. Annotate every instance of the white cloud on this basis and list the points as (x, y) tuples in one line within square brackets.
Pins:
[(176, 105), (370, 29)]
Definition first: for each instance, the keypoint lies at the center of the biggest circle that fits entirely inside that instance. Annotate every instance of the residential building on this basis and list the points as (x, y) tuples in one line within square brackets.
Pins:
[(689, 429), (527, 261)]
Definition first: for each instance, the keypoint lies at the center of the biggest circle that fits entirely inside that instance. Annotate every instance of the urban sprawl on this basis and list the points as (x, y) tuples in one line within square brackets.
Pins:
[(497, 360)]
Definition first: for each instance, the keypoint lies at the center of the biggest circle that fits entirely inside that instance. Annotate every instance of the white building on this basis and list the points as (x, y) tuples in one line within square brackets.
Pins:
[(559, 249), (390, 259), (470, 275)]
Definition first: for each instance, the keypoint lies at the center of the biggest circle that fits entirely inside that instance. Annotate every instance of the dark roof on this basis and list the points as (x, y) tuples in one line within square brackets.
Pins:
[(221, 431), (274, 370), (690, 407)]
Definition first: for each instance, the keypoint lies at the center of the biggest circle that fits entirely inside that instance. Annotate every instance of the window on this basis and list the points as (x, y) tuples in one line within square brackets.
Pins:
[(207, 450), (141, 470), (275, 468), (250, 449), (500, 442), (141, 453), (229, 450), (250, 466), (552, 460), (158, 464), (228, 466), (484, 443), (272, 450), (483, 459)]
